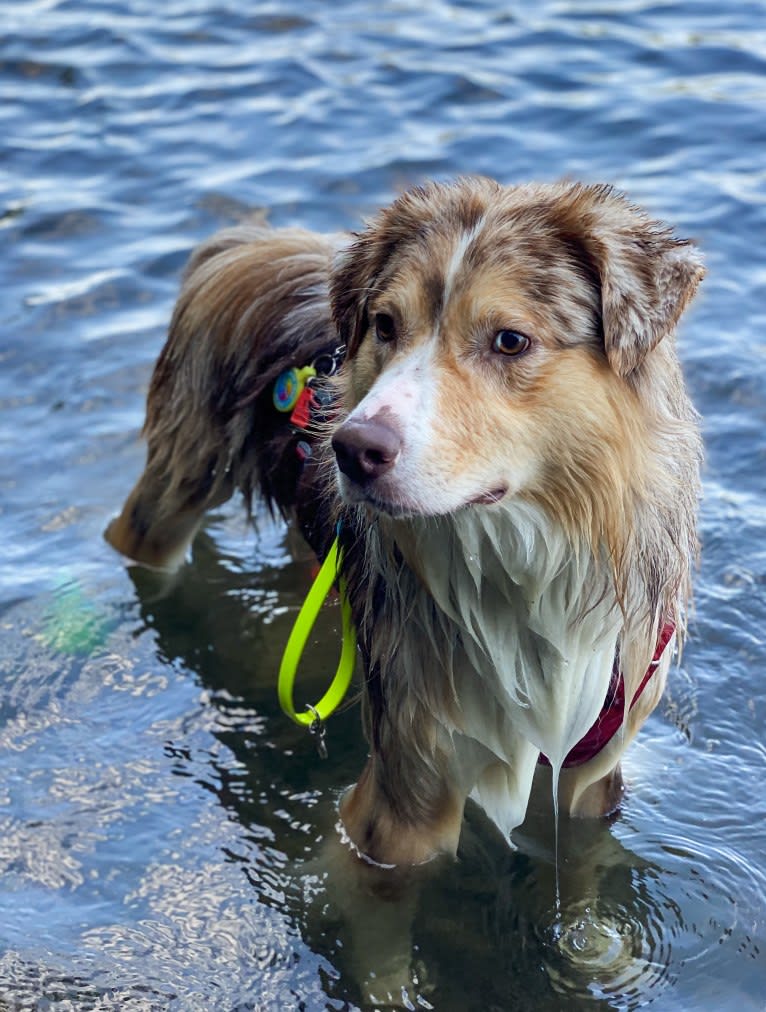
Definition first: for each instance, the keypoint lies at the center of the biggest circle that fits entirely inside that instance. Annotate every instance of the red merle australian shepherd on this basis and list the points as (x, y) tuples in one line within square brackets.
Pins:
[(512, 457)]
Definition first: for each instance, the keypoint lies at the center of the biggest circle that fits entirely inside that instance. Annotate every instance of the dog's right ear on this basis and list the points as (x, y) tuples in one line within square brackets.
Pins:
[(354, 275)]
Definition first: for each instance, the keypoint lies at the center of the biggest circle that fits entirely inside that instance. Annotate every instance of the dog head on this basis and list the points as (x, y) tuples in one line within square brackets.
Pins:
[(498, 345)]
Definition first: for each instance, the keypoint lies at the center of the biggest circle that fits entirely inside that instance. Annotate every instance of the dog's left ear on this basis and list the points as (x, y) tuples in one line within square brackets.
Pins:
[(358, 268), (354, 275), (647, 277)]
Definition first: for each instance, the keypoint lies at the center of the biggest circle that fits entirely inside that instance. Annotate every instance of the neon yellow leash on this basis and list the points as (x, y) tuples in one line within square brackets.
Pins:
[(314, 716)]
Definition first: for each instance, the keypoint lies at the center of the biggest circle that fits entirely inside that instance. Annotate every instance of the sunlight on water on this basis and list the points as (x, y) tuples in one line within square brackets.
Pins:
[(73, 624)]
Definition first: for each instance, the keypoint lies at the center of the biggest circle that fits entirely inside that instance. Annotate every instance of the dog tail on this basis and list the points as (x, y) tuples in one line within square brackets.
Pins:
[(253, 302)]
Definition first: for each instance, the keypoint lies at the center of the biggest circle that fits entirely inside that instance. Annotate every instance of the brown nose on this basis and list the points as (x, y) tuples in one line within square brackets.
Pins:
[(365, 450)]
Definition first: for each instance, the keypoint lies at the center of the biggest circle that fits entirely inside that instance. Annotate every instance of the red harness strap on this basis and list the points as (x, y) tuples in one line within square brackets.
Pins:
[(609, 721)]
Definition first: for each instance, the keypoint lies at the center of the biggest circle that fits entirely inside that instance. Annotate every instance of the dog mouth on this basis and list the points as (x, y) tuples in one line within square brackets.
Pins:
[(356, 496), (488, 498), (401, 509)]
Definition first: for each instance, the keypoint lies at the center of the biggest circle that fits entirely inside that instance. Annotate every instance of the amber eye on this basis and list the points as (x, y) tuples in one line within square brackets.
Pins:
[(385, 328), (510, 342)]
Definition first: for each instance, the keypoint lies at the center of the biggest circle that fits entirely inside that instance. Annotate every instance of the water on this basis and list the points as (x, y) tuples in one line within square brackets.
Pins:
[(156, 809)]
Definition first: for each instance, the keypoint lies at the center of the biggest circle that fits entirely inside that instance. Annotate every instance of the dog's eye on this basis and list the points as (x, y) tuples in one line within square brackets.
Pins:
[(385, 328), (510, 342)]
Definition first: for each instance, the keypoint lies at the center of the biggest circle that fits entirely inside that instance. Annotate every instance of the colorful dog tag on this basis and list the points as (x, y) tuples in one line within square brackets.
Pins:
[(290, 385), (301, 416)]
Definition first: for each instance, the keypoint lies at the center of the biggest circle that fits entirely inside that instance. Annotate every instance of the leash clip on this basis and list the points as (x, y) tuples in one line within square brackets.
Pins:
[(318, 729)]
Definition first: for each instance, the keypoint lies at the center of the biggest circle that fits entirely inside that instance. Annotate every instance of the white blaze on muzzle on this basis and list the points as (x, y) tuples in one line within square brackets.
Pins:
[(404, 398), (386, 450)]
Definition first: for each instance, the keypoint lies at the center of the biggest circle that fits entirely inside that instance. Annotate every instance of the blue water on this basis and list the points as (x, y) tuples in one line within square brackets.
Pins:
[(155, 807)]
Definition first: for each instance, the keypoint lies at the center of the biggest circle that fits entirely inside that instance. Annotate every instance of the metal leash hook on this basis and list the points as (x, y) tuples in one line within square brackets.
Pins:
[(318, 730)]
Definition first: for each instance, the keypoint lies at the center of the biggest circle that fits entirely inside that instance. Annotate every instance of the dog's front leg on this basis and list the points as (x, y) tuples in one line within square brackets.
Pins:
[(393, 822), (375, 909), (403, 812)]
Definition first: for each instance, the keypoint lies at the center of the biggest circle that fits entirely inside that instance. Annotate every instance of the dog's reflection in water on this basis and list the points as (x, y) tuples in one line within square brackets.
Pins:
[(544, 921)]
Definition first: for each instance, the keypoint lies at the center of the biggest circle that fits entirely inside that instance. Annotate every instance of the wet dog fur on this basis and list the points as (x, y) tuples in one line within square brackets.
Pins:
[(512, 456)]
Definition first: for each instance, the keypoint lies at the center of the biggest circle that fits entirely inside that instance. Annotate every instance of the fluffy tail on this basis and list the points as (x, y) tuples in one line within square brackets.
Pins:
[(253, 302)]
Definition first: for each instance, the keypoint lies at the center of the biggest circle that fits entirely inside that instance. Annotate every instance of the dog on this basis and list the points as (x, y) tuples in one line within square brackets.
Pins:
[(501, 435)]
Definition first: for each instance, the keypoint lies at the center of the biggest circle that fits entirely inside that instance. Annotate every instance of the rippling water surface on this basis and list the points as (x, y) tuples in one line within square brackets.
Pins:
[(158, 816)]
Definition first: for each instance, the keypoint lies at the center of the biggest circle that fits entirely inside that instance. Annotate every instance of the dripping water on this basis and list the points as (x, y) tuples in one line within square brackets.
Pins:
[(555, 773)]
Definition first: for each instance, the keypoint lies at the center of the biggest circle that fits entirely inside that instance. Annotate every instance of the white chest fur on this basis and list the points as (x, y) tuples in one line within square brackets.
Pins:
[(506, 634)]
